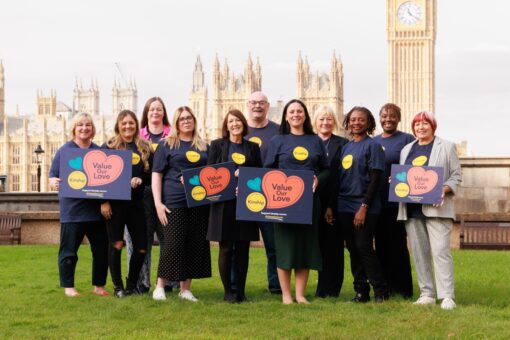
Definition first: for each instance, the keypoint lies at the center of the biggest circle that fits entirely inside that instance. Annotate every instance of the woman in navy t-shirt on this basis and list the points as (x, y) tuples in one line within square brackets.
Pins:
[(128, 213), (186, 254), (297, 245), (79, 218), (390, 234), (358, 206)]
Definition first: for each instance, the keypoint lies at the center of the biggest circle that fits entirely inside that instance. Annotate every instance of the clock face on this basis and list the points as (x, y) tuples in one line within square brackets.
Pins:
[(409, 13)]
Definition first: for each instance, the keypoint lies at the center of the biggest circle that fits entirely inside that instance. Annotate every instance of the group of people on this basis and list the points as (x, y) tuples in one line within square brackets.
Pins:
[(350, 205)]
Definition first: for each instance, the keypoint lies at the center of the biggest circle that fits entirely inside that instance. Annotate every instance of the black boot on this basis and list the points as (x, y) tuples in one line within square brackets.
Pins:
[(130, 288), (229, 296)]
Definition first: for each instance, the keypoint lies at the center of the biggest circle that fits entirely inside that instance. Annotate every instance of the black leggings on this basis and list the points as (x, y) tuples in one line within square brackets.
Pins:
[(241, 251), (130, 214), (365, 266)]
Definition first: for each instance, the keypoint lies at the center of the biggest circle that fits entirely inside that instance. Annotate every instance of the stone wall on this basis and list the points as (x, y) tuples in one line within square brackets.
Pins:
[(483, 195), (485, 187)]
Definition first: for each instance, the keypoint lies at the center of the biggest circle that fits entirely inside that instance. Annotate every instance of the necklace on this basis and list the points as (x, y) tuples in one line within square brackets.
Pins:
[(327, 145)]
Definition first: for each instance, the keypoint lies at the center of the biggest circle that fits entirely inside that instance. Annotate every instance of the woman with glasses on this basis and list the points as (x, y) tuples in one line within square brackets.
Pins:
[(186, 253)]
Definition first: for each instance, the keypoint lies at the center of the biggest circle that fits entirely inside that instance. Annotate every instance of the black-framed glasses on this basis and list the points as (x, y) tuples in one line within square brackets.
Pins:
[(259, 102), (185, 119)]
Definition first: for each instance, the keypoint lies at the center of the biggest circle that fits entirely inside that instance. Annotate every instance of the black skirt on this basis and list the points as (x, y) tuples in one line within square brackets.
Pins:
[(230, 229)]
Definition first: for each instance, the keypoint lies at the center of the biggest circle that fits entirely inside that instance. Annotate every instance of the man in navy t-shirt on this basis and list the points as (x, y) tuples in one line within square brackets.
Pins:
[(260, 131)]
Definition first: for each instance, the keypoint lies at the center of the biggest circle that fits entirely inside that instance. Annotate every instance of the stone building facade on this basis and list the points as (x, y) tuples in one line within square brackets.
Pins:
[(20, 135)]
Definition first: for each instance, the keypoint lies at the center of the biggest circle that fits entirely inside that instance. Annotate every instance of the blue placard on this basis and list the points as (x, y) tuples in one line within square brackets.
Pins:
[(209, 184), (274, 195), (95, 174), (416, 184)]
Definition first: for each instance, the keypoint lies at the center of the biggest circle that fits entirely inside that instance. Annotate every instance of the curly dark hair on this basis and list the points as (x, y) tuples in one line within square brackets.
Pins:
[(370, 118)]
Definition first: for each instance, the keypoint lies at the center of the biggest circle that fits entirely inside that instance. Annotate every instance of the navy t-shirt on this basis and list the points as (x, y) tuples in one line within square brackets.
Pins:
[(171, 163), (154, 139), (392, 146), (236, 154), (297, 152), (75, 209), (262, 136), (137, 170), (418, 156), (357, 159)]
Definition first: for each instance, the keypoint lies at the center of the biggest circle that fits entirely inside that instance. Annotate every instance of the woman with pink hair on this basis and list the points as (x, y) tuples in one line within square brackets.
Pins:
[(429, 226)]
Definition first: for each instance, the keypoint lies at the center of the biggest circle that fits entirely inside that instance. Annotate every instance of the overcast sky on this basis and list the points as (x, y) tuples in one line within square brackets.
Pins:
[(47, 44)]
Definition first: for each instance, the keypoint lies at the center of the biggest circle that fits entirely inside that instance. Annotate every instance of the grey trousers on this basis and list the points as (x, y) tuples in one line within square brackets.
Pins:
[(430, 241)]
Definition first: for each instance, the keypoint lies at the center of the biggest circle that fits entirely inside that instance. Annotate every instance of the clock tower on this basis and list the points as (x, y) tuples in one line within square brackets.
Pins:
[(411, 26)]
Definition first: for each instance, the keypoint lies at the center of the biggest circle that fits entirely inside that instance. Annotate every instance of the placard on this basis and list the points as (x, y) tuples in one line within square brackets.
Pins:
[(95, 173), (209, 184), (271, 195), (416, 184)]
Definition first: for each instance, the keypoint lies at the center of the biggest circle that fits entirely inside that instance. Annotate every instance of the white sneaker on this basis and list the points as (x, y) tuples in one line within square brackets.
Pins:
[(448, 304), (187, 295), (425, 300), (159, 294)]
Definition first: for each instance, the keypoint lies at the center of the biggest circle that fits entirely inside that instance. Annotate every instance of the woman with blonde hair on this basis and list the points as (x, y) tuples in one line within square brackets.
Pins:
[(331, 240), (186, 254), (79, 218), (128, 213)]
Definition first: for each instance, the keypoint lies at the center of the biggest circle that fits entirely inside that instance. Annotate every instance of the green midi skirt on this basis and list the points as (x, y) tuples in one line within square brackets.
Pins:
[(297, 245)]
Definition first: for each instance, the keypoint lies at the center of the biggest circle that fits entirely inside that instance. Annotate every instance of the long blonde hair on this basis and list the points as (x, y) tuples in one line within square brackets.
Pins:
[(117, 143), (173, 138)]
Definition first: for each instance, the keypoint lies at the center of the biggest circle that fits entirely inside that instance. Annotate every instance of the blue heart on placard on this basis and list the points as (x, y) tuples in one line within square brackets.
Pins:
[(76, 163), (194, 180), (254, 184), (401, 176)]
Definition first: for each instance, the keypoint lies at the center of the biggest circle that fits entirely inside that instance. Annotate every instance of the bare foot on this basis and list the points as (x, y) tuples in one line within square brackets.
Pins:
[(71, 292), (287, 300), (100, 291), (302, 300)]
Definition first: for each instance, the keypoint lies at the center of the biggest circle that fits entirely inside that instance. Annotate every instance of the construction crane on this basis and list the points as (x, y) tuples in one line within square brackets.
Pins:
[(121, 74)]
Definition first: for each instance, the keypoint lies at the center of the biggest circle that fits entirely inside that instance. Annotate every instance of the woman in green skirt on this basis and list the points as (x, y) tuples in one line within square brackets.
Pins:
[(297, 245)]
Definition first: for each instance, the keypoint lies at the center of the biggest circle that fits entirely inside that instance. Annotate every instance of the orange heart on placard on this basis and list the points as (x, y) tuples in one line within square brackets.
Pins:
[(281, 191), (421, 181), (102, 169), (214, 180)]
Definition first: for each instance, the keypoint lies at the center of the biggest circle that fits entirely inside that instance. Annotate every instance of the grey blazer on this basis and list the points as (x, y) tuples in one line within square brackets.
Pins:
[(444, 153)]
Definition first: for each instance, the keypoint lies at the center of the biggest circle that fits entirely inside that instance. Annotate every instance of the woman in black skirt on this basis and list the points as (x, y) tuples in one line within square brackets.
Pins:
[(233, 236), (186, 253)]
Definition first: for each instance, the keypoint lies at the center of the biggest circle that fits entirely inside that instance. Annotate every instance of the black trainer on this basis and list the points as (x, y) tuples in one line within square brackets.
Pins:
[(360, 298), (119, 292)]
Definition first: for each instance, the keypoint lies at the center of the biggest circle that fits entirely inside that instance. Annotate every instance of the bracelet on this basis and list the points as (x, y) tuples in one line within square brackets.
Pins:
[(364, 205)]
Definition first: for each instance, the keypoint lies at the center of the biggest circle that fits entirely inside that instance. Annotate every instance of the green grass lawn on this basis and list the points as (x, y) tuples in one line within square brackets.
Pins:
[(32, 305)]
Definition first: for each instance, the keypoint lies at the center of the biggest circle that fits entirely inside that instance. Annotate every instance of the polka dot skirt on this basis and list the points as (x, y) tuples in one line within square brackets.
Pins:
[(186, 253)]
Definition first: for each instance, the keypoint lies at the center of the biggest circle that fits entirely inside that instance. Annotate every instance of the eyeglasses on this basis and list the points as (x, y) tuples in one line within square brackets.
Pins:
[(185, 119), (259, 102)]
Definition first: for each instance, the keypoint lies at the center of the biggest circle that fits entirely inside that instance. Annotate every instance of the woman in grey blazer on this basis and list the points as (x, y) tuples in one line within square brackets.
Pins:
[(429, 226)]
